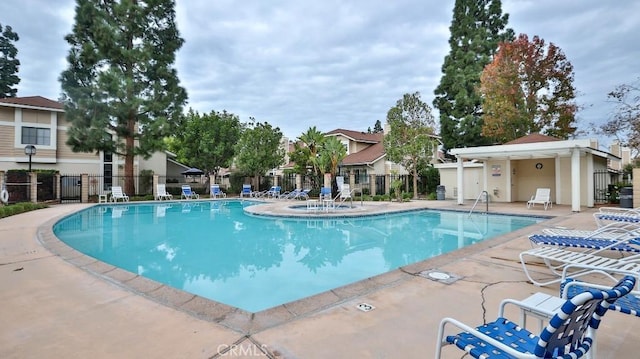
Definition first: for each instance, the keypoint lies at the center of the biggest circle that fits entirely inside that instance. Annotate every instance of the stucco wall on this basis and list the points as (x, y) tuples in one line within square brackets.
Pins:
[(473, 180)]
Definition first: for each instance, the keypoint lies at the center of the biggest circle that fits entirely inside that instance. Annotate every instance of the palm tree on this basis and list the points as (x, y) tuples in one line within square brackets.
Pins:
[(313, 139), (332, 153)]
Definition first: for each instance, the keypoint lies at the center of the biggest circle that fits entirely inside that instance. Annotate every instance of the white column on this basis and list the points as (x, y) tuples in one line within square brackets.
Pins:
[(575, 180), (460, 179), (590, 183), (508, 174), (556, 197)]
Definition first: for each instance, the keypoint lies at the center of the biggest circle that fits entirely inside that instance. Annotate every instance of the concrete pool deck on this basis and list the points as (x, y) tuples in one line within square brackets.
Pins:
[(58, 303)]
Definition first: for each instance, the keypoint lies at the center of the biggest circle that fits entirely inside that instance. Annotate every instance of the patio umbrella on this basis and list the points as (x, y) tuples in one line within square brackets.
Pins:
[(193, 172)]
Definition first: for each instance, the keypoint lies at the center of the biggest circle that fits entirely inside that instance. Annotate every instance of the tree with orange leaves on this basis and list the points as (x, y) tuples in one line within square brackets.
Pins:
[(527, 88)]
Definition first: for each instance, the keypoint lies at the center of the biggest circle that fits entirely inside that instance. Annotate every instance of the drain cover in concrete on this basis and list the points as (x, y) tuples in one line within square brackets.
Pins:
[(365, 307), (439, 276)]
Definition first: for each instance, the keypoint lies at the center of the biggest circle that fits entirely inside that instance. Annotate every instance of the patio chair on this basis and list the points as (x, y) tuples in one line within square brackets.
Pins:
[(345, 194), (188, 193), (543, 197), (557, 260), (246, 191), (296, 194), (161, 193), (299, 194), (614, 214), (569, 334), (325, 193), (274, 192), (628, 304), (615, 236), (117, 194), (614, 230), (217, 192)]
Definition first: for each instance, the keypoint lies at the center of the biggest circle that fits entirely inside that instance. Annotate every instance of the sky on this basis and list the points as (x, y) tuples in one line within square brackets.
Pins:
[(338, 64)]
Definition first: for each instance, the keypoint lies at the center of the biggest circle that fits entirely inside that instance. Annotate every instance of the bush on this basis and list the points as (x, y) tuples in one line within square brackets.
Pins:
[(10, 210)]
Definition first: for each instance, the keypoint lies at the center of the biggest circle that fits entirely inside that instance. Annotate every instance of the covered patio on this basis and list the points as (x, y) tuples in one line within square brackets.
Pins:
[(513, 171)]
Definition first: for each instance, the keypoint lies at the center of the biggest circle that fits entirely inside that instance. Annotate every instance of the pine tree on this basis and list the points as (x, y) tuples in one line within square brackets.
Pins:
[(476, 29), (120, 91), (377, 128), (8, 62)]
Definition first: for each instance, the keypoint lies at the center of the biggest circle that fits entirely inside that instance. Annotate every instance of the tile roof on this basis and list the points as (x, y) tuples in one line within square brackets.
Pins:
[(367, 156), (532, 138), (357, 136), (33, 101)]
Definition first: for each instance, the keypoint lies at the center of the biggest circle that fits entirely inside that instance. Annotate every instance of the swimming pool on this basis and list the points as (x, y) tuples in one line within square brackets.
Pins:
[(214, 250)]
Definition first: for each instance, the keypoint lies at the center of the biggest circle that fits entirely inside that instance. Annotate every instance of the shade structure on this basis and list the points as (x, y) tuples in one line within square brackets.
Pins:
[(193, 172)]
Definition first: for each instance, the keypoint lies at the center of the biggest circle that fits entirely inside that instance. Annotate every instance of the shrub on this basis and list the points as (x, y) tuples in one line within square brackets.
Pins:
[(10, 210)]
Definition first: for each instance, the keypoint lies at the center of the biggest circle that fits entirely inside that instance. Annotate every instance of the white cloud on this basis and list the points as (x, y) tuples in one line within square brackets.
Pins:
[(333, 63)]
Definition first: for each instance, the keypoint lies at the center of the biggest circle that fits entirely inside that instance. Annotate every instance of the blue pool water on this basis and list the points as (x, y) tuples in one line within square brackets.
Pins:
[(215, 250)]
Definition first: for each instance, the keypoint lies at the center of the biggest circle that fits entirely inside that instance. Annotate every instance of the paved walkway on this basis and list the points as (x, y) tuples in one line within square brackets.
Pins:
[(57, 303)]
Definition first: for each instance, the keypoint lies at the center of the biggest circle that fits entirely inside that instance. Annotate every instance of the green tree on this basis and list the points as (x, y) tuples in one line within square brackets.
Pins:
[(313, 140), (258, 149), (377, 128), (8, 62), (527, 88), (410, 141), (624, 123), (306, 156), (331, 154), (120, 90), (207, 141), (476, 29)]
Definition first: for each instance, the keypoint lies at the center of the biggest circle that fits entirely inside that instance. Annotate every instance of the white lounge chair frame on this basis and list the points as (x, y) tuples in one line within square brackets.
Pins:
[(557, 259), (217, 192), (543, 197), (345, 194), (616, 214), (161, 193), (116, 194), (188, 192)]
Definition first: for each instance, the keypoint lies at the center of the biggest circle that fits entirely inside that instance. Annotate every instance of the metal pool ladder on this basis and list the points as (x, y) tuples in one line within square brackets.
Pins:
[(476, 203)]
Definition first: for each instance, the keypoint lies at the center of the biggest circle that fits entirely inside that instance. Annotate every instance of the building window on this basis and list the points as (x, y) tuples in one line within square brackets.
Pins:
[(36, 136), (361, 176)]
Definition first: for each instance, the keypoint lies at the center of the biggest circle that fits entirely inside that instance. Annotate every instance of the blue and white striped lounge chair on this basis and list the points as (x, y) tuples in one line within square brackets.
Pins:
[(628, 304), (630, 245), (217, 192), (615, 236), (557, 260), (608, 214), (246, 191), (569, 334), (296, 194), (274, 192), (325, 193), (188, 193)]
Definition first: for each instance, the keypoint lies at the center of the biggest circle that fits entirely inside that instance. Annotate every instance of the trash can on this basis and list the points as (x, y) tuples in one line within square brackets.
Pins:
[(440, 190), (626, 197)]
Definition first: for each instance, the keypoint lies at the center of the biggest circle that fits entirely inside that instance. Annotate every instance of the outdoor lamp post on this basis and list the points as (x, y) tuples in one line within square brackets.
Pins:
[(30, 150)]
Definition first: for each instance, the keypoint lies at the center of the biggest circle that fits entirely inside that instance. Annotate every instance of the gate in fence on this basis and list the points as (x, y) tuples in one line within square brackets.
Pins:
[(70, 188)]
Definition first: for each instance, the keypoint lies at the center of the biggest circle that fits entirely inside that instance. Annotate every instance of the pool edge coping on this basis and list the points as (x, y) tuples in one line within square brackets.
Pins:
[(246, 322)]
